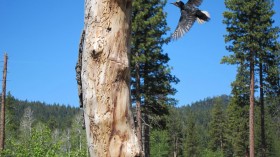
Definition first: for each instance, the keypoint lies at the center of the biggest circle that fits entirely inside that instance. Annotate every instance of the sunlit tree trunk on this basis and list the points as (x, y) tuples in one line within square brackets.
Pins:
[(105, 79), (2, 120)]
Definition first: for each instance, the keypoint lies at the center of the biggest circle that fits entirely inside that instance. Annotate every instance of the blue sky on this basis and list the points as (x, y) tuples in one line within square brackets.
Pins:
[(41, 38)]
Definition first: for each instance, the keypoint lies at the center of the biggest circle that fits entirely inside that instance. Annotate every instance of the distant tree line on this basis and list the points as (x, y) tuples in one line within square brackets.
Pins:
[(213, 128), (204, 129)]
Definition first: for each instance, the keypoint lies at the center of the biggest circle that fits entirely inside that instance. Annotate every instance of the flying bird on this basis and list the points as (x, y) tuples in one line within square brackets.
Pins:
[(189, 13)]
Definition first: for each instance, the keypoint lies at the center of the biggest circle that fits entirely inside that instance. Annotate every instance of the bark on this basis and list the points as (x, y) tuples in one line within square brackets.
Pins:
[(176, 146), (105, 79), (2, 129), (146, 136), (78, 69), (251, 112), (263, 142), (138, 107)]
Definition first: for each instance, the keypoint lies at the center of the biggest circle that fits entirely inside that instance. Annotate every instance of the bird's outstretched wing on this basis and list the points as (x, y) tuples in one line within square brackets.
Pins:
[(185, 23), (194, 2)]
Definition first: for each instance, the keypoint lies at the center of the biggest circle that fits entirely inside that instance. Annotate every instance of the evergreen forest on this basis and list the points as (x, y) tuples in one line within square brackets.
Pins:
[(204, 128)]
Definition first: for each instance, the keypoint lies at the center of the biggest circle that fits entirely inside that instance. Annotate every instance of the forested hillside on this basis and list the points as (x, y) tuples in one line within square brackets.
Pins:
[(207, 128), (199, 129), (53, 115), (188, 128)]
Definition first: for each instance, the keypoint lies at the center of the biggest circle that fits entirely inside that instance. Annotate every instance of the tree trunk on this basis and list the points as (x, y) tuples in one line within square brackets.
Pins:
[(2, 129), (251, 112), (138, 106), (146, 136), (105, 79), (176, 146), (263, 141)]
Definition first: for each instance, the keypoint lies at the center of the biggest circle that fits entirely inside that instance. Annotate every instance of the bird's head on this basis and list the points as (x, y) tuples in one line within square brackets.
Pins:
[(178, 3)]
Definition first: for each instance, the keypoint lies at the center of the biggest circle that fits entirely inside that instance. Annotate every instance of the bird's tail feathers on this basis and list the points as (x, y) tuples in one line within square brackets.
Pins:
[(203, 20)]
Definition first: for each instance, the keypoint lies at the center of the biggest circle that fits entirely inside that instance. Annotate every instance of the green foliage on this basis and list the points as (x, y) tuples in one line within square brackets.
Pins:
[(176, 127), (189, 132), (237, 129), (151, 78), (250, 29), (26, 136), (53, 115), (191, 143), (210, 153), (196, 130), (253, 41), (148, 29), (40, 144), (238, 115), (217, 128), (274, 121), (269, 134), (159, 143)]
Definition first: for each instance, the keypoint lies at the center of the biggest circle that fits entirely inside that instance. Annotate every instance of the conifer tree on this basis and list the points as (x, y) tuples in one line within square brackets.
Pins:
[(251, 38), (151, 75), (159, 143), (269, 135), (191, 145), (13, 123), (237, 115), (175, 128), (217, 127), (268, 64)]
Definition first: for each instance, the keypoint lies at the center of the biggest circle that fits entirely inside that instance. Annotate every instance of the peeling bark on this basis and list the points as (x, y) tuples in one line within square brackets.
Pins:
[(105, 79)]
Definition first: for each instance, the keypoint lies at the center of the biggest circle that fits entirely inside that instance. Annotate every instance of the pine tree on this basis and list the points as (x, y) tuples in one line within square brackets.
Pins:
[(175, 126), (151, 75), (217, 127), (252, 39), (12, 122), (237, 116), (191, 145), (269, 135), (268, 65), (159, 143)]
